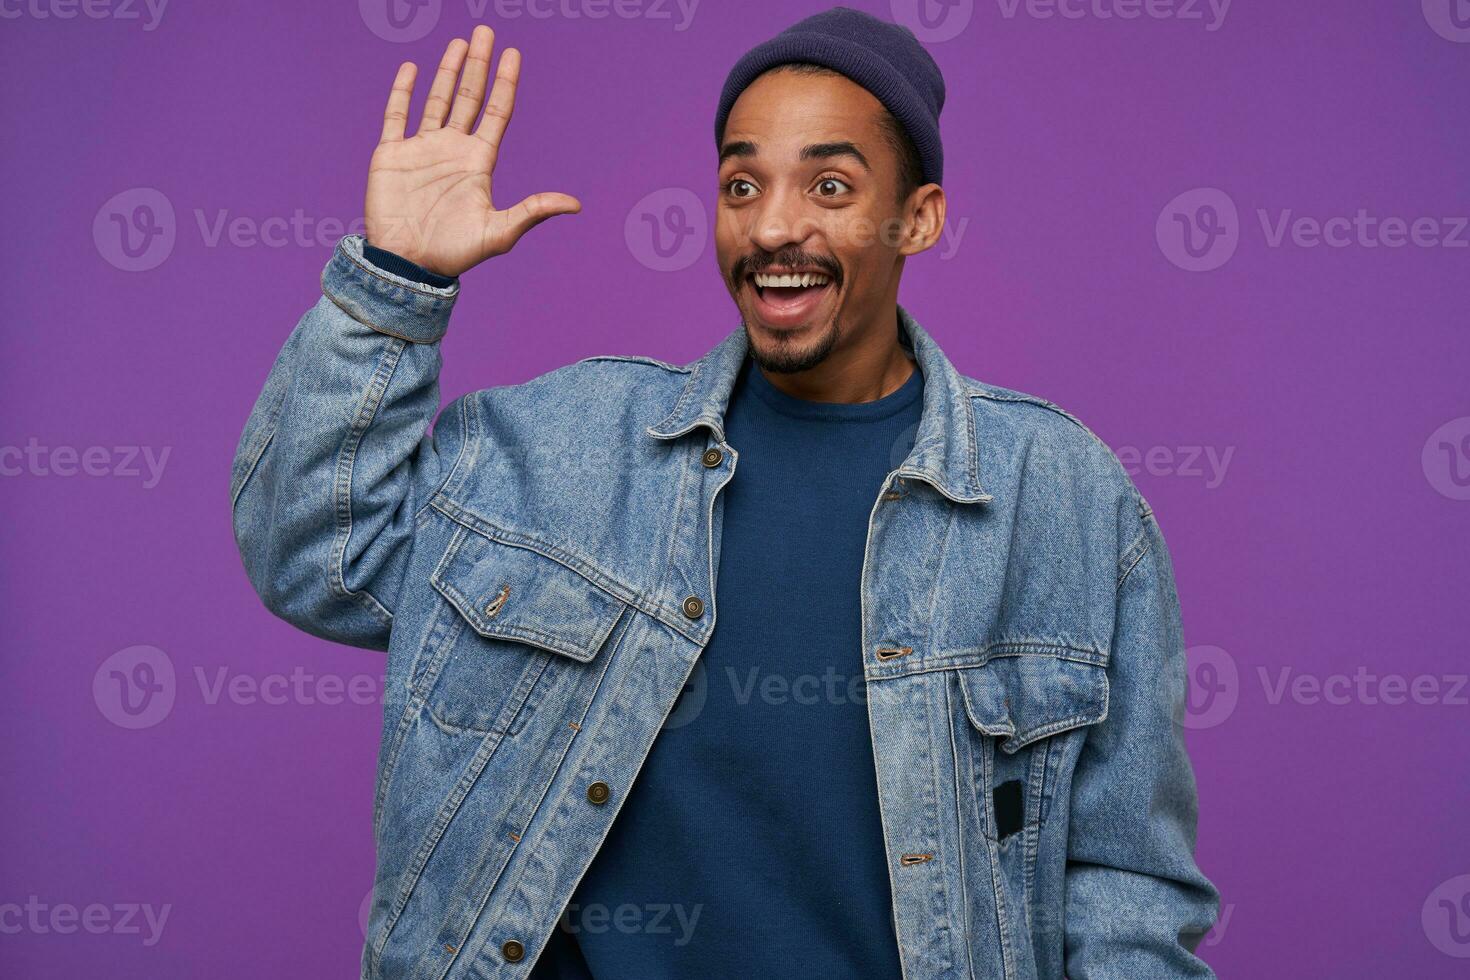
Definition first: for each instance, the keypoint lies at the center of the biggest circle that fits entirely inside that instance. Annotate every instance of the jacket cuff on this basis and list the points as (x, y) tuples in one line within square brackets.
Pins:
[(399, 266), (384, 300)]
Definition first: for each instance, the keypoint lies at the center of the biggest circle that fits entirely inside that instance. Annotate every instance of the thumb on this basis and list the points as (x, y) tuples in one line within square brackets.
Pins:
[(533, 210)]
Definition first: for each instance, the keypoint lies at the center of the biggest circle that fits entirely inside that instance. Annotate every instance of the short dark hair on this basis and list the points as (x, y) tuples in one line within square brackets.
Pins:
[(910, 166)]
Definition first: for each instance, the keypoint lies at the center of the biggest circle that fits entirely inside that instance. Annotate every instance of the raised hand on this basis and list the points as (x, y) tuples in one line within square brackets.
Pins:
[(428, 195)]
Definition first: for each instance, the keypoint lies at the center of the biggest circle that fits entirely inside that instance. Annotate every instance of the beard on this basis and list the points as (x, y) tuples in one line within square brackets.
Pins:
[(791, 353)]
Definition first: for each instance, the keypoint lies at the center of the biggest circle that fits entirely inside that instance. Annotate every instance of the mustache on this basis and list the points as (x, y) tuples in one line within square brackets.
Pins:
[(749, 265)]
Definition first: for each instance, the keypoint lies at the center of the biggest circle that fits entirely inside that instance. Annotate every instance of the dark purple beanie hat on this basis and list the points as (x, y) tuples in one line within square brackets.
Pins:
[(884, 58)]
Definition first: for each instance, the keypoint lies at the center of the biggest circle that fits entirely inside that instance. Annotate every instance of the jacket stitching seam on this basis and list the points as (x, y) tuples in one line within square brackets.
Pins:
[(964, 660), (346, 463), (1142, 547), (965, 931), (464, 442), (258, 455)]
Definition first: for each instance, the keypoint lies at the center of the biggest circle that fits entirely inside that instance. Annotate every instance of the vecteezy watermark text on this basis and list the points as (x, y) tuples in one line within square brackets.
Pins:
[(136, 230), (1201, 229), (405, 21), (123, 462), (1210, 13), (655, 918), (136, 687), (91, 9), (1207, 463), (63, 918)]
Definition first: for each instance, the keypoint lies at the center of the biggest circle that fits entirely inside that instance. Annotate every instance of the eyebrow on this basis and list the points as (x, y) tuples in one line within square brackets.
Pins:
[(812, 151)]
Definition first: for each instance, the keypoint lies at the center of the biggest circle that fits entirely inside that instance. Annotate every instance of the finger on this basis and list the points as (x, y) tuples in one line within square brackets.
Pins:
[(471, 93), (439, 94), (533, 210), (502, 98), (395, 116)]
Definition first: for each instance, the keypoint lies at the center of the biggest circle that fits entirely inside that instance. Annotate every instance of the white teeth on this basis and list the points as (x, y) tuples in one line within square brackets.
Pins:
[(765, 280)]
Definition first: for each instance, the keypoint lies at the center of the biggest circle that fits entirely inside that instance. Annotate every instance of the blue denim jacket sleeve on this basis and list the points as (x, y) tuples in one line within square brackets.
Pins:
[(334, 463), (1137, 905)]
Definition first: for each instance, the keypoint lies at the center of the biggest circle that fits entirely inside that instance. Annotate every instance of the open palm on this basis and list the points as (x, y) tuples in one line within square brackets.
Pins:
[(428, 195)]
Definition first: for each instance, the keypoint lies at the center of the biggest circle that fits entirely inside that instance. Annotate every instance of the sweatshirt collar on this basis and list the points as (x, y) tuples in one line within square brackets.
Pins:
[(944, 452)]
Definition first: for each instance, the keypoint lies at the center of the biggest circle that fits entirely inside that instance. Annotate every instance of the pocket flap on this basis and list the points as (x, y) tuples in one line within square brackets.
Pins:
[(509, 592), (1030, 696)]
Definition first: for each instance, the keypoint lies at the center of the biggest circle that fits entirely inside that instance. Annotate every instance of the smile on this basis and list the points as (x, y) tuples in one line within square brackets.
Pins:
[(789, 298)]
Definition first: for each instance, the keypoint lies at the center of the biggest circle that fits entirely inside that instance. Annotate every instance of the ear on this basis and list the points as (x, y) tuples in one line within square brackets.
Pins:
[(926, 207)]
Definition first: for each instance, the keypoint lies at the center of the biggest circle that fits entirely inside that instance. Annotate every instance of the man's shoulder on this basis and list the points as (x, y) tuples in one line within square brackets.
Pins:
[(1026, 415), (600, 389), (1027, 436)]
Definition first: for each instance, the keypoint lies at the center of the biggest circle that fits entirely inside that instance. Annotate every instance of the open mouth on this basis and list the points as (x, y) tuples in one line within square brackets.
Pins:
[(790, 299)]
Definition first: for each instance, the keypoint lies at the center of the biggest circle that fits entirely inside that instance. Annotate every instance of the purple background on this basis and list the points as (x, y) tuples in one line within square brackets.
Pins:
[(1334, 541)]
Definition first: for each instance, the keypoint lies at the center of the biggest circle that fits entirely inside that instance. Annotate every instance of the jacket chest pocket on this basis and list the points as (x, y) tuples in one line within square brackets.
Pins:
[(516, 621), (1019, 708)]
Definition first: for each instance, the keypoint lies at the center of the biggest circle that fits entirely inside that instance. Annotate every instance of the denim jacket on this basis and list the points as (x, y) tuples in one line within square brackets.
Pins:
[(541, 572)]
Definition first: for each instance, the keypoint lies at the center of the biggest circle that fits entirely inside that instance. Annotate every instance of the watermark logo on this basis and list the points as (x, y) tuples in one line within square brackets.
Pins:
[(1205, 463), (135, 230), (400, 21), (903, 444), (691, 699), (300, 687), (1363, 687), (1191, 936), (137, 688), (1210, 13), (1446, 917), (653, 10), (425, 896), (365, 913), (1362, 230), (1213, 687), (134, 688), (91, 9), (654, 919), (672, 919), (1216, 935), (278, 231), (1199, 230), (404, 21), (40, 918), (667, 230), (755, 684), (1446, 459), (1450, 19), (933, 20), (123, 462)]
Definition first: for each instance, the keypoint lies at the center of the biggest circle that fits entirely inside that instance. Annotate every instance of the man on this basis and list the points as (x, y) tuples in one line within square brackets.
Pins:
[(936, 732)]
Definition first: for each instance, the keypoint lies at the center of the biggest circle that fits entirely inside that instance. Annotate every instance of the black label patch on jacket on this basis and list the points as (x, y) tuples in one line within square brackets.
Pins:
[(1009, 808)]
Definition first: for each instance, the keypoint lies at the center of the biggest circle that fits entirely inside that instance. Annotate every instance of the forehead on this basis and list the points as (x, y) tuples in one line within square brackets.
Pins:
[(783, 110)]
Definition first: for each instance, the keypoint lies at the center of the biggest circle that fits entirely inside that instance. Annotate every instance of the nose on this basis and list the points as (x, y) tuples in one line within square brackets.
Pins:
[(778, 221)]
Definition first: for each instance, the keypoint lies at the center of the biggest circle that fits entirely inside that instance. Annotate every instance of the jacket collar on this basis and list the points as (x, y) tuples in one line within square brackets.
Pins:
[(944, 452)]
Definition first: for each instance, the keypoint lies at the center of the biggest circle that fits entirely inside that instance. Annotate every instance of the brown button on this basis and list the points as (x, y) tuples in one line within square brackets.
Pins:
[(712, 457), (512, 951), (693, 607), (598, 792)]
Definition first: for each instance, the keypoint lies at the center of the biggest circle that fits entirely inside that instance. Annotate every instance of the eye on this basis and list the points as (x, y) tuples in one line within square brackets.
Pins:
[(826, 183), (737, 187)]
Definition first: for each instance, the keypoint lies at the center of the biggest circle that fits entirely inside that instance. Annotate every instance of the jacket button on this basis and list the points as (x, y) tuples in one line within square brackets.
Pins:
[(712, 457), (512, 951), (693, 607), (598, 792)]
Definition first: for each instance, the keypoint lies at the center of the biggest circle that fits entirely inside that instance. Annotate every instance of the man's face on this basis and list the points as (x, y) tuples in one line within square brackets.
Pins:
[(808, 185)]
